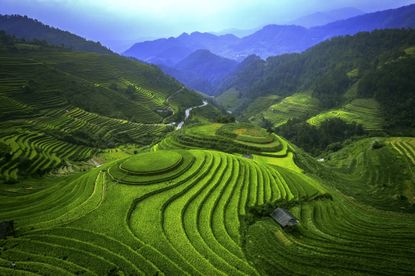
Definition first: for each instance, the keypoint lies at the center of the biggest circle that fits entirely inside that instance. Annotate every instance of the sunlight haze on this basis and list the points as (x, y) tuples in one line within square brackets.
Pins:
[(120, 23)]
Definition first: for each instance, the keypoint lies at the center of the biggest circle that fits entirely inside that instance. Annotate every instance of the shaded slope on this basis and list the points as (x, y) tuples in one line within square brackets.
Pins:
[(60, 107), (30, 29), (201, 71)]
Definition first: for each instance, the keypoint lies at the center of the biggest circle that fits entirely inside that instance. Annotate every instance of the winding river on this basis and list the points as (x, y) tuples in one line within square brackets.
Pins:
[(187, 113)]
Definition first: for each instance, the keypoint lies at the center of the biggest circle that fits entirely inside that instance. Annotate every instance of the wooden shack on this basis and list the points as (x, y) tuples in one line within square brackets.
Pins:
[(284, 217)]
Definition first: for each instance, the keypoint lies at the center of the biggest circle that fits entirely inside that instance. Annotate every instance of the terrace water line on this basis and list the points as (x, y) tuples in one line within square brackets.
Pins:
[(187, 114)]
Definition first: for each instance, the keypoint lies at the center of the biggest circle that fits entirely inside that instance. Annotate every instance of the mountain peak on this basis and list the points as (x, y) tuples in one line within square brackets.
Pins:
[(325, 17)]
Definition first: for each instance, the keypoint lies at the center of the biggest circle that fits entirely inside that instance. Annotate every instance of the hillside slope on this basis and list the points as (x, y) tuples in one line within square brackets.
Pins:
[(59, 106), (201, 71), (30, 29), (335, 73), (201, 211), (326, 17)]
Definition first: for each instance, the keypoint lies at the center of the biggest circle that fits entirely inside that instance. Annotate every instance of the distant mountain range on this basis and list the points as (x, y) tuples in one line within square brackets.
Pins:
[(201, 70), (269, 41), (237, 32), (323, 18), (30, 29), (169, 51)]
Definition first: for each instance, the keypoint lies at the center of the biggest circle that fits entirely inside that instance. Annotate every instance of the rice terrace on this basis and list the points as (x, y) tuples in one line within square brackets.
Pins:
[(287, 149)]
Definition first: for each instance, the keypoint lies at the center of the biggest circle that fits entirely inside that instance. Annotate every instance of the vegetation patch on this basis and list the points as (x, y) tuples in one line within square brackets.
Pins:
[(151, 167), (223, 137), (152, 162), (246, 133), (366, 112), (298, 105), (329, 136)]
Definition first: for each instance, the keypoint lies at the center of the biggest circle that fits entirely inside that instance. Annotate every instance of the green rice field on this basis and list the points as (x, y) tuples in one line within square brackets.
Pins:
[(185, 208)]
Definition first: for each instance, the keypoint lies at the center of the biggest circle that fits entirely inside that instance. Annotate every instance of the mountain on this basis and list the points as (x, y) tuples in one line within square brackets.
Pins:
[(202, 71), (323, 18), (237, 32), (330, 76), (172, 50), (270, 40), (30, 29), (390, 19), (273, 40)]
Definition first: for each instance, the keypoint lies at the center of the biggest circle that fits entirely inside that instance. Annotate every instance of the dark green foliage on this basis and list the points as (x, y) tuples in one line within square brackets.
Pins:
[(377, 145), (290, 73), (375, 61), (330, 89), (4, 149), (393, 86), (266, 124), (225, 119), (328, 136)]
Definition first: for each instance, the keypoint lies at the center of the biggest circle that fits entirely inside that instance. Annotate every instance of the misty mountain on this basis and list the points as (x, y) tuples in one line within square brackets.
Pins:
[(323, 18), (169, 51), (201, 70), (237, 32), (270, 40), (30, 29)]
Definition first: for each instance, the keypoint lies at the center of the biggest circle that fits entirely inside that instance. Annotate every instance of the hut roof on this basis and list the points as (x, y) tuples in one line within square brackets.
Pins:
[(284, 217)]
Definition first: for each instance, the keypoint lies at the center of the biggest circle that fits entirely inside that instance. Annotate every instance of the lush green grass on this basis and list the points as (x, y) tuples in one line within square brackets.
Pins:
[(229, 138), (246, 133), (152, 162), (191, 218), (362, 111), (382, 177), (139, 170), (88, 223), (334, 237)]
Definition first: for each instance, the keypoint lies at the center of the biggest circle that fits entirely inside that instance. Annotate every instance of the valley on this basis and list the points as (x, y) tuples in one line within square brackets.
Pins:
[(173, 161)]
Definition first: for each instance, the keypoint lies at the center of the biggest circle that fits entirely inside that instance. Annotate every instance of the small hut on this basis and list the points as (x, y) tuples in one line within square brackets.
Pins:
[(6, 229), (248, 156), (284, 217)]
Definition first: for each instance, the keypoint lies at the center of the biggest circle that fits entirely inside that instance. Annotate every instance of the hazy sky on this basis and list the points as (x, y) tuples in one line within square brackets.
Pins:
[(120, 22)]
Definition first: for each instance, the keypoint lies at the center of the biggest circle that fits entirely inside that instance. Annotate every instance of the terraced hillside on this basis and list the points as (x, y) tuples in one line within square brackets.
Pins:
[(377, 171), (60, 107), (365, 112), (234, 138), (97, 182), (193, 212), (299, 105), (366, 78)]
